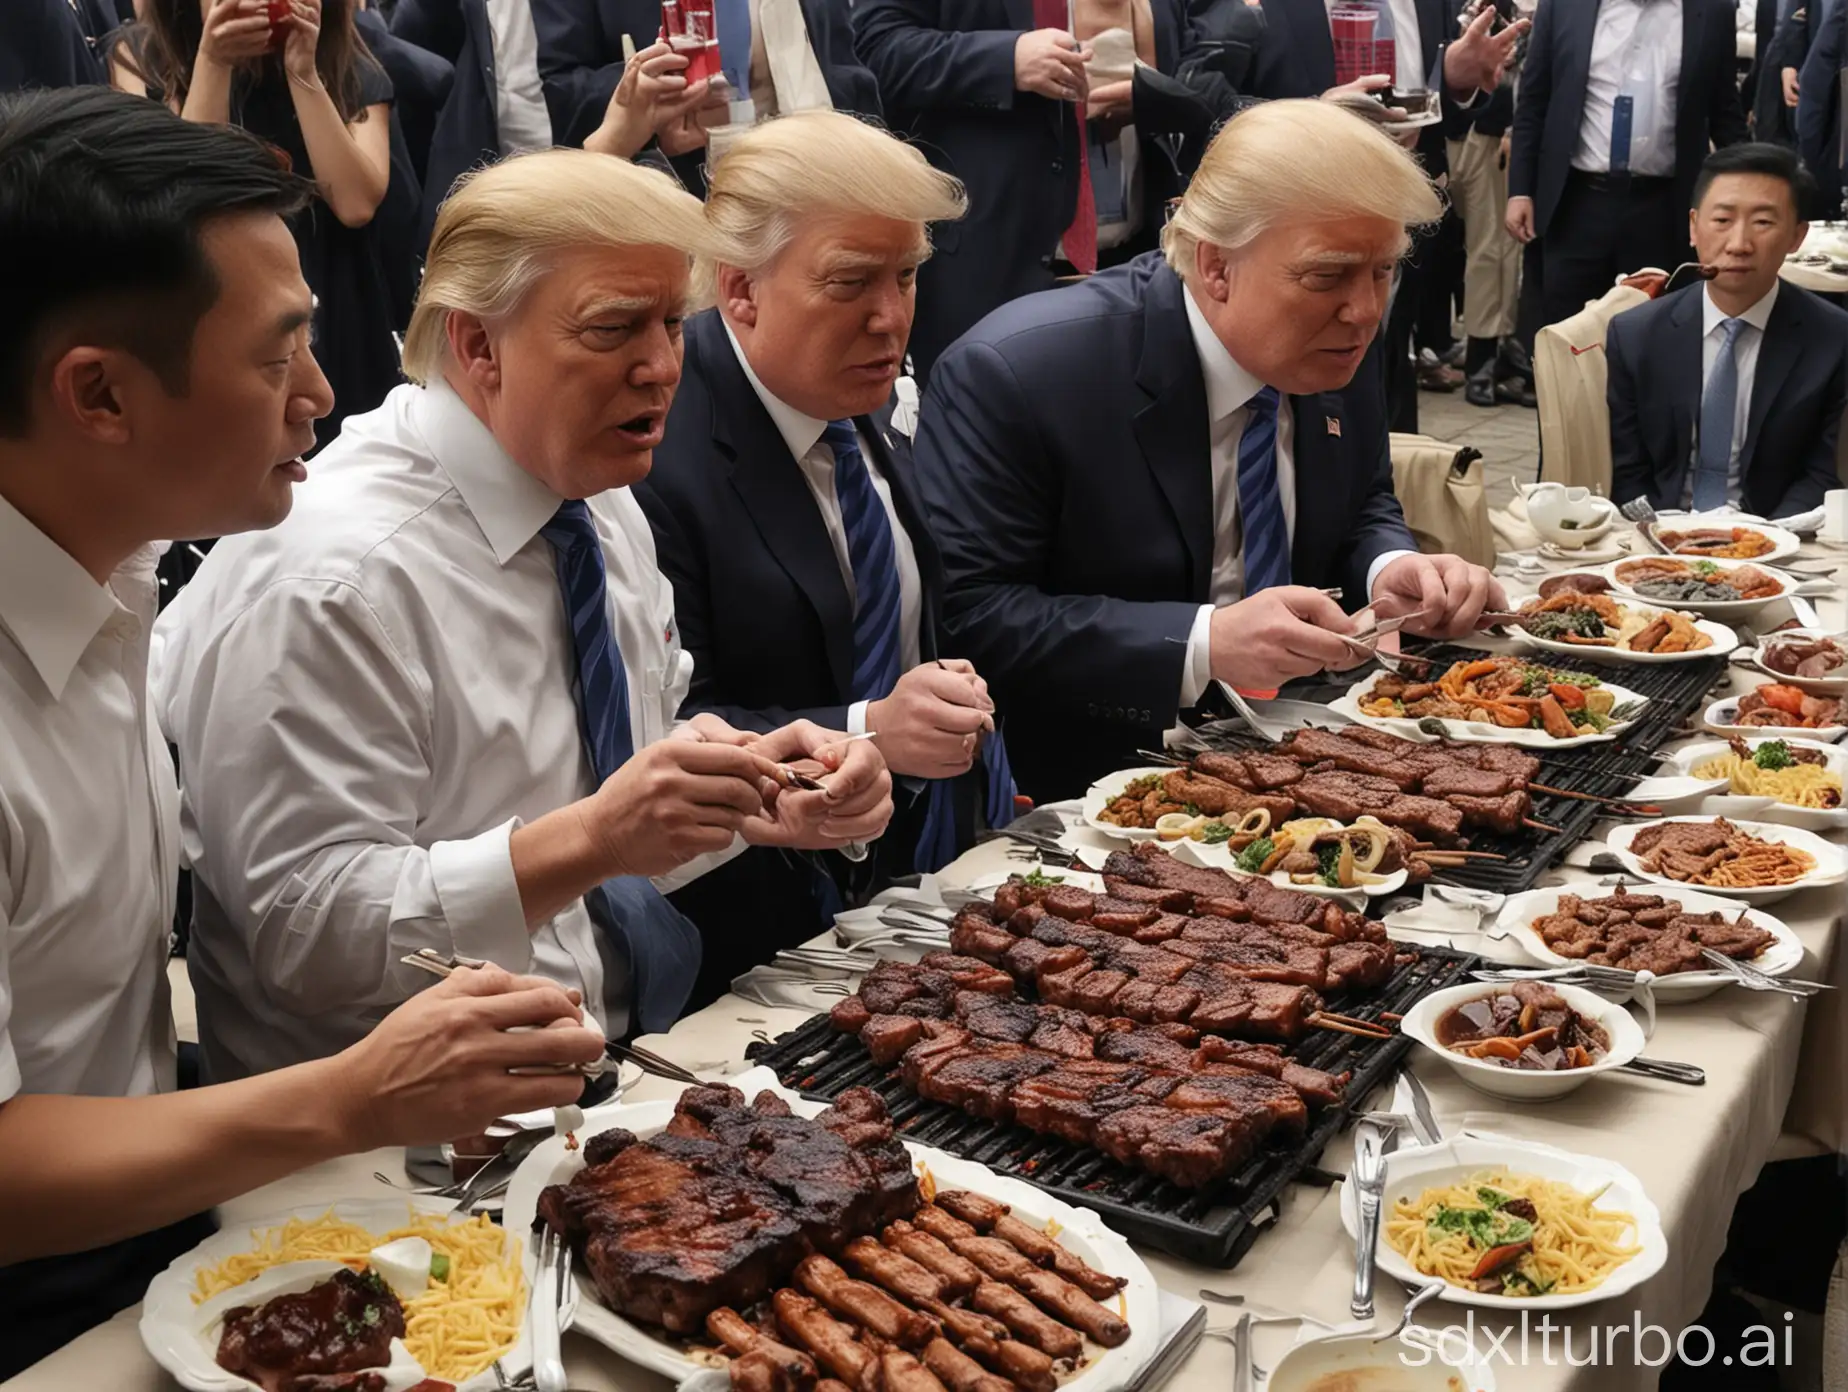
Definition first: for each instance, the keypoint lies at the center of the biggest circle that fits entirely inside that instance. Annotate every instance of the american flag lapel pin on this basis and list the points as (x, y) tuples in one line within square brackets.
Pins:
[(1334, 426)]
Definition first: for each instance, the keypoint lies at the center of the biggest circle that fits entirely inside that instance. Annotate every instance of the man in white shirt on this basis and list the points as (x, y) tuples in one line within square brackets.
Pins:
[(787, 515), (1731, 391), (172, 398), (1145, 483), (1620, 101), (405, 718)]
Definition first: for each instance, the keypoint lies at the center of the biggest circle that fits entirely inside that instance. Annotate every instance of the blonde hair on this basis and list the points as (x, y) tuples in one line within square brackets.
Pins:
[(795, 167), (1295, 161), (497, 231)]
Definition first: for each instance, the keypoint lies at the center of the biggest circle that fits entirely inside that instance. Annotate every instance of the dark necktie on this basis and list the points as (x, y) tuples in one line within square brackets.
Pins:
[(1719, 402), (874, 558), (1260, 507), (663, 947)]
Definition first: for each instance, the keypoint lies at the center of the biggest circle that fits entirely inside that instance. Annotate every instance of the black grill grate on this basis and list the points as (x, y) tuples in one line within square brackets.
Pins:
[(1214, 1227), (1675, 690)]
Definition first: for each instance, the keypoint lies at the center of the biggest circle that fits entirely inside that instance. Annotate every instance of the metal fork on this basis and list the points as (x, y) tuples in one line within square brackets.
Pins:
[(1753, 979), (551, 1281), (1642, 512)]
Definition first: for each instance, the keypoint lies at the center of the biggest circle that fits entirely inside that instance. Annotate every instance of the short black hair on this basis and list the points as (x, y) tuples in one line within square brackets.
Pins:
[(1760, 157), (103, 197)]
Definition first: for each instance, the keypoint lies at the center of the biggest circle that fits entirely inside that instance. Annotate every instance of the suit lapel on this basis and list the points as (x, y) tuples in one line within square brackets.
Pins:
[(892, 457), (774, 493), (1777, 360), (1431, 34), (1579, 23), (1320, 505), (1313, 41), (1171, 427)]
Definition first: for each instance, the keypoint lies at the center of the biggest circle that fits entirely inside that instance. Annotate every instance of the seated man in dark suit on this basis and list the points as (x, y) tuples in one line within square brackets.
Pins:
[(1124, 511), (806, 584), (1732, 391)]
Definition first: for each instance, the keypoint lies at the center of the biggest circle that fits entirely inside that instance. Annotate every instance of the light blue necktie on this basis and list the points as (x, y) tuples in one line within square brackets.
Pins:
[(663, 946), (1718, 404), (1260, 508), (874, 558)]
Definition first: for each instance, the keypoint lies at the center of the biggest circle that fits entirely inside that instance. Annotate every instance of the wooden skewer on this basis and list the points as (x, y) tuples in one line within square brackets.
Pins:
[(1427, 852), (1593, 797), (1540, 826), (1391, 1016), (1320, 1020)]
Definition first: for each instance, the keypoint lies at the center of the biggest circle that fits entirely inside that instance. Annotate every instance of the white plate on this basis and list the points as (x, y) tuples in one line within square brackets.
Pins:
[(171, 1323), (1723, 715), (1783, 543), (1815, 686), (1830, 869), (1107, 790), (1413, 1169), (1723, 641), (1779, 959), (1835, 760), (1414, 1362), (1078, 1229), (1475, 731), (1524, 1084), (1712, 608)]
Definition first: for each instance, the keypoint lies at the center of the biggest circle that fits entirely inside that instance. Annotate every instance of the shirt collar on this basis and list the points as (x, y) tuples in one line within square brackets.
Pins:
[(1228, 386), (1712, 316), (507, 503), (799, 432), (49, 603)]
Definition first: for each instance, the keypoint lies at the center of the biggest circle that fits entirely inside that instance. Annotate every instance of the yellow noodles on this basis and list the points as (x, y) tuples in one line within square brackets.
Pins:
[(1576, 1246), (456, 1328), (1799, 785)]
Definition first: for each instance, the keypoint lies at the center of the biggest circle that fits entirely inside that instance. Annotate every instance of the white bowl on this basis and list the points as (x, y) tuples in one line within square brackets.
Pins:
[(1723, 715), (1712, 608), (1413, 1169), (1779, 959), (1357, 1362), (1570, 518), (1831, 866), (1724, 804), (1816, 686), (1525, 1085), (1675, 793)]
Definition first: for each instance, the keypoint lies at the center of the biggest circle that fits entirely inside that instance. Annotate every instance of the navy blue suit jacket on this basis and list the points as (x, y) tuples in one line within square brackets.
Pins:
[(946, 74), (46, 45), (1819, 108), (1063, 451), (1552, 102), (1799, 390), (467, 128)]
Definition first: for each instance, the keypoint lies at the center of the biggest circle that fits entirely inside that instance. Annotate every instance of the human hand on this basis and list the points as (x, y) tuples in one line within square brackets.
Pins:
[(303, 37), (855, 801), (1110, 105), (1789, 76), (235, 31), (439, 1065), (1476, 59), (673, 801), (680, 123), (931, 724), (1360, 87), (1287, 631), (1450, 591), (1052, 63), (709, 728), (1520, 219), (652, 96)]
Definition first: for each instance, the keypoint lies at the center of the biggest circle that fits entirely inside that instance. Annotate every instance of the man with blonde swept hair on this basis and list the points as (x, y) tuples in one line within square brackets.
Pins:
[(1127, 507), (805, 578), (437, 708)]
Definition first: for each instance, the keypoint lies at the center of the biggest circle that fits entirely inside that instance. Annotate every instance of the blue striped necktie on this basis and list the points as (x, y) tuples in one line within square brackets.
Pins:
[(1260, 508), (874, 558), (1719, 403), (662, 945)]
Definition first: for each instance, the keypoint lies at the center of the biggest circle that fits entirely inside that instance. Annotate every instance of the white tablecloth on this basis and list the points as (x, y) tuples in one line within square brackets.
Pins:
[(1695, 1150)]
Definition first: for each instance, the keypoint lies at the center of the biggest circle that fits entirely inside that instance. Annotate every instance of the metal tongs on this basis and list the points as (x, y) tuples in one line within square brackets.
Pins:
[(614, 1054)]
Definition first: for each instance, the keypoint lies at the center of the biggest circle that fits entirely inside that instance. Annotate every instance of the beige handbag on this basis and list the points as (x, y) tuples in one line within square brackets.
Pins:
[(1442, 493)]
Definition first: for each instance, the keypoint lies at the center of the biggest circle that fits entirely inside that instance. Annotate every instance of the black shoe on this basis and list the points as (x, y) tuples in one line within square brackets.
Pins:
[(1513, 359), (1479, 387), (1516, 391)]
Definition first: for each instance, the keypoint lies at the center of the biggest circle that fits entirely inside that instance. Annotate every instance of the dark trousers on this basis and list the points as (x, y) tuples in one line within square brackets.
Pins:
[(1396, 341), (46, 1303), (1604, 228)]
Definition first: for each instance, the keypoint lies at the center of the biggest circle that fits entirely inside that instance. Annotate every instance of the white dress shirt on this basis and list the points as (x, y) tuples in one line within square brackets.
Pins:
[(802, 434), (367, 700), (520, 111), (1635, 52), (89, 828), (1407, 44), (1745, 356), (1229, 389)]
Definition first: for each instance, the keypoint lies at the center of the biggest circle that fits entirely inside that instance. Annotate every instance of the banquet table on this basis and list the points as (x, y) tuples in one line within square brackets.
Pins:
[(1775, 1068)]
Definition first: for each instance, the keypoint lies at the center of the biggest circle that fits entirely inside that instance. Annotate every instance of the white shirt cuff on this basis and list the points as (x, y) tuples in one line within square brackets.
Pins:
[(699, 865), (480, 897), (1197, 670), (856, 717), (1380, 562)]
